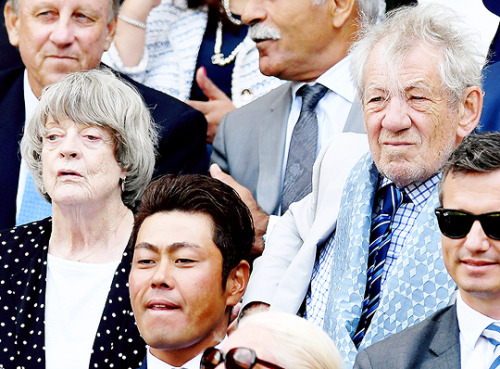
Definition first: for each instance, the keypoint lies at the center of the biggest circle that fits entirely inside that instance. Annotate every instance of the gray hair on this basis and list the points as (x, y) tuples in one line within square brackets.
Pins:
[(97, 97), (430, 24), (299, 343), (113, 10), (477, 153)]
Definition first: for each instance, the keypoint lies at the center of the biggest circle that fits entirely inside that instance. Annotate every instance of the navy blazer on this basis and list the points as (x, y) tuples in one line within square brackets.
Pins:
[(182, 145)]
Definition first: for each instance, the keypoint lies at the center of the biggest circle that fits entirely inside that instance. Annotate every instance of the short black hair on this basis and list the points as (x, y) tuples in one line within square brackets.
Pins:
[(233, 231), (478, 153)]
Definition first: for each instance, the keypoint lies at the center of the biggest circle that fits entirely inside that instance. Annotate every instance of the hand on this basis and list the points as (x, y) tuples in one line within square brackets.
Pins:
[(218, 104), (260, 219)]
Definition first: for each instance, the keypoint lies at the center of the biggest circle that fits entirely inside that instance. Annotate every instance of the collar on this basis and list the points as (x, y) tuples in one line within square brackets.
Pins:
[(30, 100), (471, 323), (154, 363), (338, 79), (417, 193)]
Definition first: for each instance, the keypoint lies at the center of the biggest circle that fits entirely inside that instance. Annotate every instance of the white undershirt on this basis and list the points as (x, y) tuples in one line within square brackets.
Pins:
[(476, 352), (30, 104), (74, 302)]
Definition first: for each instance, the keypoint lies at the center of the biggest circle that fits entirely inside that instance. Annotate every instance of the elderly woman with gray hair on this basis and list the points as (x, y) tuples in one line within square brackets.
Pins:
[(64, 280)]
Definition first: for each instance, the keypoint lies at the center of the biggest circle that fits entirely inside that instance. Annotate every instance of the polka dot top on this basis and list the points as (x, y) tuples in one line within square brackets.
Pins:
[(23, 271)]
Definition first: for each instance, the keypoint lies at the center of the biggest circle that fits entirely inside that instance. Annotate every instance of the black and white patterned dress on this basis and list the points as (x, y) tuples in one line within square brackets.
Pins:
[(23, 271)]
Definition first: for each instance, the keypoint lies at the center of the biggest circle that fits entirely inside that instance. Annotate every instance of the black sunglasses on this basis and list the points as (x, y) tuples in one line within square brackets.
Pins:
[(236, 358), (457, 223)]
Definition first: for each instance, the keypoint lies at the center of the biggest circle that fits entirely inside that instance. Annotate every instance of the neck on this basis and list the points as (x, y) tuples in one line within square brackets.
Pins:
[(483, 302), (180, 356), (90, 234)]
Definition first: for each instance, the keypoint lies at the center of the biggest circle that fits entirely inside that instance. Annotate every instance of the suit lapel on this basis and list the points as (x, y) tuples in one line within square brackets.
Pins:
[(354, 122), (12, 123), (446, 344), (271, 146)]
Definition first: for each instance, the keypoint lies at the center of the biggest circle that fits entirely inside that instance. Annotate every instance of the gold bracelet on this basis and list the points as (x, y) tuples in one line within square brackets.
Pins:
[(132, 22)]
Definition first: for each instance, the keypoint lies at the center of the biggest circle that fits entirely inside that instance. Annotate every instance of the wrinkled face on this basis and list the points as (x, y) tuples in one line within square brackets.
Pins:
[(256, 338), (79, 164), (474, 261), (291, 36), (176, 285), (411, 125), (57, 37)]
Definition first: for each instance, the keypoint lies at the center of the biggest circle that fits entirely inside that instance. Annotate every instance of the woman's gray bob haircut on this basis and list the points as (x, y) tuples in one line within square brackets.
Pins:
[(97, 98), (429, 24)]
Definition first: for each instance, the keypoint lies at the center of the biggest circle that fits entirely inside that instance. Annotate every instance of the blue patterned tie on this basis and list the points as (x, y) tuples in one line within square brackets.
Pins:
[(492, 334), (33, 205), (380, 240), (303, 147)]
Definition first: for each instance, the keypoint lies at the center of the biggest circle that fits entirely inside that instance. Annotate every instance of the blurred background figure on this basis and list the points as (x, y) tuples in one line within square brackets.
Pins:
[(274, 340), (195, 49), (65, 301)]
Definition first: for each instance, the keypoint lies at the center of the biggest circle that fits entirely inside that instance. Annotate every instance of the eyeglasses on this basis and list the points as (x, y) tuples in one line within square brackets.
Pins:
[(236, 358), (457, 223)]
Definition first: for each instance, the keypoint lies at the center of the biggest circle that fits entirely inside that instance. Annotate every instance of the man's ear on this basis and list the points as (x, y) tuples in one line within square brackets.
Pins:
[(340, 11), (470, 111), (236, 283), (11, 23), (111, 29)]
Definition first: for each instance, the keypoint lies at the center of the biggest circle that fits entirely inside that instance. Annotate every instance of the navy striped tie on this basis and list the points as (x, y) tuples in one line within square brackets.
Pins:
[(303, 146), (380, 239), (492, 334)]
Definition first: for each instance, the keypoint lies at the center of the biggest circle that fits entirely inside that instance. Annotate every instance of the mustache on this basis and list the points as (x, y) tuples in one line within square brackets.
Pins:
[(260, 32)]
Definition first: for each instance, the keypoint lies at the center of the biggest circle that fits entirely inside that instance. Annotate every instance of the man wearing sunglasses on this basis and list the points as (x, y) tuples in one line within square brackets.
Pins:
[(465, 334), (192, 236), (372, 266)]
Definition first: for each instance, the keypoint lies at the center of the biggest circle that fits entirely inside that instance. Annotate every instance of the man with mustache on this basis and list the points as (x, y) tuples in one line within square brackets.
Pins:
[(372, 266), (55, 38), (466, 334), (267, 148), (192, 236)]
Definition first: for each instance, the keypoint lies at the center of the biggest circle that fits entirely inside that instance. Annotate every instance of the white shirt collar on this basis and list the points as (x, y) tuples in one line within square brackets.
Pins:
[(471, 323), (194, 363), (338, 79), (30, 100)]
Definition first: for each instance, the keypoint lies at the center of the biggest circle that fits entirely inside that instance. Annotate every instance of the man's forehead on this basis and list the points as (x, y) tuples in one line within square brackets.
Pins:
[(95, 4)]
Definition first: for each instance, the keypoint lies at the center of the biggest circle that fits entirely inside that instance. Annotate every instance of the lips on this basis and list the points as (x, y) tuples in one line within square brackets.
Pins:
[(68, 173), (161, 305), (477, 263)]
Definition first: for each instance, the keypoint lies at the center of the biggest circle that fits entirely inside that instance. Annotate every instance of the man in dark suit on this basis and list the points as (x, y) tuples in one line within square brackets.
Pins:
[(56, 38), (465, 334)]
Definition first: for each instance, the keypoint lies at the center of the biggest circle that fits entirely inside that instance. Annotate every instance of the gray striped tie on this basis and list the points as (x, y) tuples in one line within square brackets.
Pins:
[(303, 147)]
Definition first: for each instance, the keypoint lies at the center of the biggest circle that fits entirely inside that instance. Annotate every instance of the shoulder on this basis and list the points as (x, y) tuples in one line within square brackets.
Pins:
[(10, 78), (414, 339)]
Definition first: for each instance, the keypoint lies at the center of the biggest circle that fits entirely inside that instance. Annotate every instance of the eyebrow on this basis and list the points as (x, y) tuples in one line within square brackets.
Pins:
[(171, 247)]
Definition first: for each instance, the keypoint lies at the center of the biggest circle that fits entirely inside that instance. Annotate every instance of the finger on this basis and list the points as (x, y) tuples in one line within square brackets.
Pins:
[(199, 105), (210, 89)]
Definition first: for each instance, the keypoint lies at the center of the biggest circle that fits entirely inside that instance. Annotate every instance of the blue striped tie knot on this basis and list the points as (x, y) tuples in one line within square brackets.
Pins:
[(492, 334), (380, 240)]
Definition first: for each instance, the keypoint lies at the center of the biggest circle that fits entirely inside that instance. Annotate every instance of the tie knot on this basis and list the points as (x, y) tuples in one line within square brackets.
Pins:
[(492, 333), (392, 198), (311, 95)]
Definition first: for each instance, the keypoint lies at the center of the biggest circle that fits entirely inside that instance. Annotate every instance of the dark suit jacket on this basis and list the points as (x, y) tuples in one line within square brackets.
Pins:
[(182, 146), (431, 344)]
